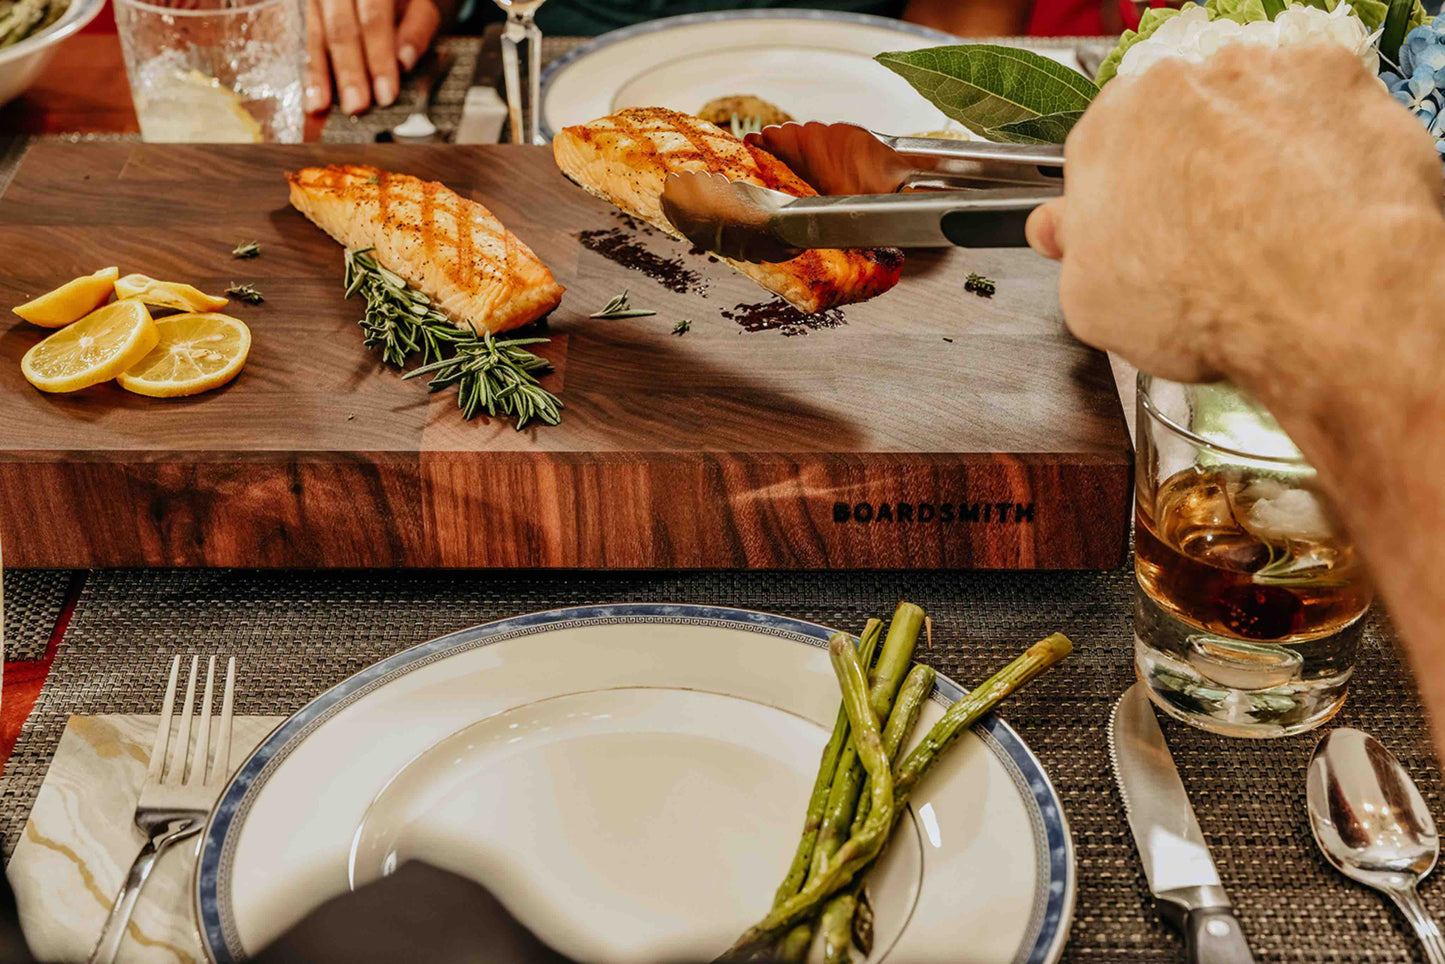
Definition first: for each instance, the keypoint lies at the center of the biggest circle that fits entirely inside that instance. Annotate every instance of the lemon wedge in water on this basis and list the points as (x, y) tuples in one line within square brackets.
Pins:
[(189, 106)]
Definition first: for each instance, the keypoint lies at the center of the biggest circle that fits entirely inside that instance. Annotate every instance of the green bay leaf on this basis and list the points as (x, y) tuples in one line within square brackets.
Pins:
[(1044, 129), (987, 86)]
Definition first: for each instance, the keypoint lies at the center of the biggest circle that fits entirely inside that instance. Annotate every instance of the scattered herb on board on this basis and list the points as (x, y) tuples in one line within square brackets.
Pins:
[(947, 339), (246, 293), (682, 327), (619, 307), (979, 285), (498, 375), (247, 249)]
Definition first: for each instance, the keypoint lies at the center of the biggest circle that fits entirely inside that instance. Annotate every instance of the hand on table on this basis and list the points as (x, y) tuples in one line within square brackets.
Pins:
[(364, 45), (1207, 204)]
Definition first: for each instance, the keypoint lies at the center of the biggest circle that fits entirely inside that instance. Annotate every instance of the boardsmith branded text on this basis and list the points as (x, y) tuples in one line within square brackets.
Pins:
[(943, 512)]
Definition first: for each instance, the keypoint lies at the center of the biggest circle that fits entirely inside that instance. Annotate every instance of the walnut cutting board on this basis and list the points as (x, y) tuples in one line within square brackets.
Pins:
[(933, 429)]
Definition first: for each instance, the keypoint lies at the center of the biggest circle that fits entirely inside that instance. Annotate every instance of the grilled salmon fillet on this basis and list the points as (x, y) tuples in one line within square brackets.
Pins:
[(450, 248), (624, 158)]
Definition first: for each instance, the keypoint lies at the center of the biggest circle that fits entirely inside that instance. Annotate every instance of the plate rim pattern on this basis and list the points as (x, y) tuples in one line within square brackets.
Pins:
[(220, 939)]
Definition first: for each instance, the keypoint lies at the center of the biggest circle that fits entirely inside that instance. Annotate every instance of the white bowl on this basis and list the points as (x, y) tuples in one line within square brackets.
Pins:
[(21, 63)]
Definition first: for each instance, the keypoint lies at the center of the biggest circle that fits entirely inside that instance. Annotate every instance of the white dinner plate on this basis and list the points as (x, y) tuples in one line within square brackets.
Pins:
[(814, 64), (630, 781)]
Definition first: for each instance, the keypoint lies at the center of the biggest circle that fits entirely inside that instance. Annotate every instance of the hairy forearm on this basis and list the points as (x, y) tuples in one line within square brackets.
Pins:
[(1352, 362)]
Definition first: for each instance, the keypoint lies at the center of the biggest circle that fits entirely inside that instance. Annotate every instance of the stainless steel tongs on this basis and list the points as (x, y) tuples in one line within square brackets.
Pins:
[(848, 159), (858, 174), (745, 222)]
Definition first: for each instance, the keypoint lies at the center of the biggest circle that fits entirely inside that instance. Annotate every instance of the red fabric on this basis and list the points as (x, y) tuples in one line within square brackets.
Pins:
[(1079, 18), (104, 21), (22, 680)]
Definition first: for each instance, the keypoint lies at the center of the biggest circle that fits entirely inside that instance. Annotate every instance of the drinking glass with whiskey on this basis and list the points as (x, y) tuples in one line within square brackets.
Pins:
[(1250, 603)]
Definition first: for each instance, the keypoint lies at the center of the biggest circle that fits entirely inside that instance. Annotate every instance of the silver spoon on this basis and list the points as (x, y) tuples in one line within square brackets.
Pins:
[(1372, 824)]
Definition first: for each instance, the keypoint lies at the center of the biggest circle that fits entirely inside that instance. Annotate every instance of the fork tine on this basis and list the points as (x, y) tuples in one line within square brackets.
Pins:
[(197, 775), (176, 770), (221, 764), (163, 730)]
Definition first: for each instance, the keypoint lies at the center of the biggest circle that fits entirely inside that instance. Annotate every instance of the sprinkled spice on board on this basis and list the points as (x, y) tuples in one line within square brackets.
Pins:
[(778, 315), (617, 246), (631, 223)]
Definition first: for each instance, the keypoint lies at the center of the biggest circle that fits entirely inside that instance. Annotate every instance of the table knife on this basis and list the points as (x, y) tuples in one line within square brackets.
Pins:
[(1176, 858)]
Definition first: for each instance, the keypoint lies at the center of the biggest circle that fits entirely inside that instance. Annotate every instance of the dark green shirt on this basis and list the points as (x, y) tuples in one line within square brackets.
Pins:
[(587, 18)]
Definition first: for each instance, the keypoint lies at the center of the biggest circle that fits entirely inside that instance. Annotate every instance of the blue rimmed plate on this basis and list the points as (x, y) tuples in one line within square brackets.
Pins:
[(630, 780)]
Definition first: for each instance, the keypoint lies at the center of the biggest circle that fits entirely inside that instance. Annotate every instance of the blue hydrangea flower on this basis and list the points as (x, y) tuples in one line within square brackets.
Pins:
[(1420, 83), (1437, 131)]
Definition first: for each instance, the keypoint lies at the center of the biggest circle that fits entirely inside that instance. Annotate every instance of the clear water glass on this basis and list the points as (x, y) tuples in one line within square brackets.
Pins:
[(215, 71), (1250, 603)]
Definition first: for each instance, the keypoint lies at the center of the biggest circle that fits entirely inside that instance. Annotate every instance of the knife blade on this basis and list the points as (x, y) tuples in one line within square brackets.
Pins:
[(1177, 862)]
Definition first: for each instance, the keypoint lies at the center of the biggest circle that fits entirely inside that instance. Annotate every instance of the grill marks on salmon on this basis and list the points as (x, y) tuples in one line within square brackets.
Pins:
[(449, 247), (625, 157)]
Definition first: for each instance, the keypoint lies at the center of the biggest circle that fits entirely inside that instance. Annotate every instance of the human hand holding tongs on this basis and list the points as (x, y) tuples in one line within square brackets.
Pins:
[(967, 193)]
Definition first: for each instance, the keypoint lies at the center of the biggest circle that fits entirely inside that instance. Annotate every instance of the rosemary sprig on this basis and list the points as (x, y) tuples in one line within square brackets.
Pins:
[(246, 249), (246, 293), (498, 375), (682, 327), (619, 308)]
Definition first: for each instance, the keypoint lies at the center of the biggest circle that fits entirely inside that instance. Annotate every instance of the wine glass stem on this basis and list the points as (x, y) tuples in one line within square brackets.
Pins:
[(534, 82), (512, 35), (523, 109)]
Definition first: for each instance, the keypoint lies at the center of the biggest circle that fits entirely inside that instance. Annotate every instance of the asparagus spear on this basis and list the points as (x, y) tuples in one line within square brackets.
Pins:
[(794, 948), (861, 849), (916, 687), (893, 663), (969, 710), (848, 784), (837, 927), (863, 922), (827, 767)]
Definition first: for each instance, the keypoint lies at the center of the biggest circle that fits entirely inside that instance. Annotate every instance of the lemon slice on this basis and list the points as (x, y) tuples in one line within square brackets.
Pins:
[(95, 349), (166, 294), (71, 301), (192, 106), (196, 353)]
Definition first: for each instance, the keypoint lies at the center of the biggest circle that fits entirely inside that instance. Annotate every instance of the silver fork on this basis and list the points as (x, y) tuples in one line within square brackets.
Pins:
[(176, 799)]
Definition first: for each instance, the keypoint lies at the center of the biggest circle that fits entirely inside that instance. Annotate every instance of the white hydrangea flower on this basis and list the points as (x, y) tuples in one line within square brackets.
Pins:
[(1192, 36)]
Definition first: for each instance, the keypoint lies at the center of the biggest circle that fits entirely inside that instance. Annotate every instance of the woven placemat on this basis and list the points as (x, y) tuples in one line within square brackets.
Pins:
[(298, 633), (446, 105), (33, 600)]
